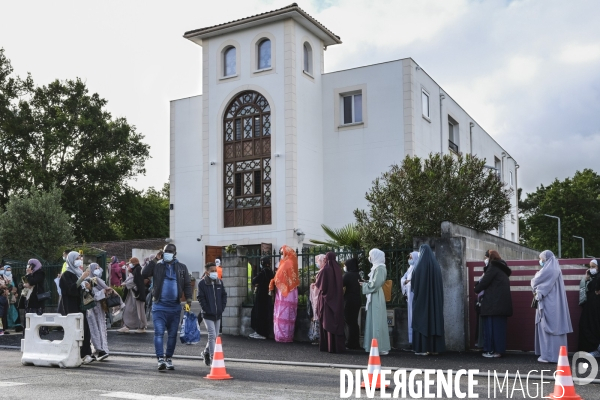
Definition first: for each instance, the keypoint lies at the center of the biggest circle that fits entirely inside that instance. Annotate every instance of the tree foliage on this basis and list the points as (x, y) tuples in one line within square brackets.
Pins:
[(142, 215), (413, 199), (576, 201), (62, 136), (34, 225)]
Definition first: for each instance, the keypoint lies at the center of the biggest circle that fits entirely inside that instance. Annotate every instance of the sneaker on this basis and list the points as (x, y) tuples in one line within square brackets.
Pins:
[(384, 353), (102, 356), (1, 333), (491, 354), (123, 330), (207, 359), (141, 330), (257, 336), (169, 362), (162, 365), (88, 360), (422, 354), (542, 360)]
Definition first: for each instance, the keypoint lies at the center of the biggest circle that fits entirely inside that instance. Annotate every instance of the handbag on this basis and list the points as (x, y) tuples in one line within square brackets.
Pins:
[(113, 301), (87, 301), (387, 290), (534, 302), (44, 296)]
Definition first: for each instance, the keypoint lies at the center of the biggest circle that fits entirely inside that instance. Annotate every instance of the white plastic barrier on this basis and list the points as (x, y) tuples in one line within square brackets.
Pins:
[(63, 353)]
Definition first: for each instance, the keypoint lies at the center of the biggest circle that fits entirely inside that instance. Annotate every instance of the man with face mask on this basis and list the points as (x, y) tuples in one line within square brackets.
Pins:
[(213, 299), (171, 282)]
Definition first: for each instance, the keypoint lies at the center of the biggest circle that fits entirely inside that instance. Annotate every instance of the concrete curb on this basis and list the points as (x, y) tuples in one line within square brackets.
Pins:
[(298, 364)]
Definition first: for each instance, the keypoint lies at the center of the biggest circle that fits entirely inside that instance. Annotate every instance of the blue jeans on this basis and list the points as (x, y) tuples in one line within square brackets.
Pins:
[(169, 321)]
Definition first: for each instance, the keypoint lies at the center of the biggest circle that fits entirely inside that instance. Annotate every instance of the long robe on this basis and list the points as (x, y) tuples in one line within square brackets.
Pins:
[(589, 324), (376, 326), (552, 318), (428, 304), (330, 306), (97, 318), (405, 283), (134, 315), (284, 316), (262, 311)]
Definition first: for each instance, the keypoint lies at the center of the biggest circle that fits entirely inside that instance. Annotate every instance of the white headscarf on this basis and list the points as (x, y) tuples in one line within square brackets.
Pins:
[(71, 257), (377, 258)]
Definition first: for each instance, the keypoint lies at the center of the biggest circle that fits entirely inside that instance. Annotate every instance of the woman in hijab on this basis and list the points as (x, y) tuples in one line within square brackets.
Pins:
[(134, 314), (376, 326), (589, 324), (97, 316), (35, 282), (552, 318), (262, 312), (330, 306), (71, 289), (497, 306), (314, 331), (7, 276), (428, 305), (286, 281), (115, 272), (352, 302), (413, 258)]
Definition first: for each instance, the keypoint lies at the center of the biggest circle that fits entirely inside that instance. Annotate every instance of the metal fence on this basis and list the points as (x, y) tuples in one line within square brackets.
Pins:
[(51, 271), (396, 265)]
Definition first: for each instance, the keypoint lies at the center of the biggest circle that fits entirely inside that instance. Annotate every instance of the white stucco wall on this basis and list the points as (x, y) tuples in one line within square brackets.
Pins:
[(322, 170), (186, 178), (354, 157)]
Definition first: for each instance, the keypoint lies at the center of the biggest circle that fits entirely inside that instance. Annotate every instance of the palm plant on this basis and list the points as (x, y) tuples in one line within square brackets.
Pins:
[(346, 236)]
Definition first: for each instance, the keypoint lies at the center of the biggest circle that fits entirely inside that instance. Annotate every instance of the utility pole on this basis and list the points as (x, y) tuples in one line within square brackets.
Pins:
[(559, 249)]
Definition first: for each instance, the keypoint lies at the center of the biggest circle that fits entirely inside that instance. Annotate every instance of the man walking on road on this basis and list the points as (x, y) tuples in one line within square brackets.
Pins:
[(171, 281)]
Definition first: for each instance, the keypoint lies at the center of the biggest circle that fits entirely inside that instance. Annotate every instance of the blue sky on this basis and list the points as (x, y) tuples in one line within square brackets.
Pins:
[(528, 71)]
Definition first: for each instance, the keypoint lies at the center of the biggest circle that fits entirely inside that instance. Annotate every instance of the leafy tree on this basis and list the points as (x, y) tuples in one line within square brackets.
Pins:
[(413, 199), (576, 201), (347, 236), (62, 136), (35, 225), (142, 215)]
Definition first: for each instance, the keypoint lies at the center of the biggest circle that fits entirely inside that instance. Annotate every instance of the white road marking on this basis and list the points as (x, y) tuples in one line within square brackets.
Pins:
[(8, 384), (138, 396)]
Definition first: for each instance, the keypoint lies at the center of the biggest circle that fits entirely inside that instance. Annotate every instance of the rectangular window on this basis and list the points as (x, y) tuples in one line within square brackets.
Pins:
[(257, 183), (510, 178), (238, 184), (352, 108), (512, 236), (453, 135), (425, 103), (498, 165)]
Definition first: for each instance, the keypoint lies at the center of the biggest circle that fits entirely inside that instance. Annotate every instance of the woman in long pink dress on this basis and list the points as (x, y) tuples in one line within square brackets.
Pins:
[(286, 298)]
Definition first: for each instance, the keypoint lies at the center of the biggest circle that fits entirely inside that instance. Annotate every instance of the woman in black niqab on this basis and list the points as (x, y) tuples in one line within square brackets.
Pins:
[(428, 304), (262, 312)]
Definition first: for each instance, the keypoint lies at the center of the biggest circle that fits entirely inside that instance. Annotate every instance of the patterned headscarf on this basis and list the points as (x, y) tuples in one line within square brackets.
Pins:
[(286, 279)]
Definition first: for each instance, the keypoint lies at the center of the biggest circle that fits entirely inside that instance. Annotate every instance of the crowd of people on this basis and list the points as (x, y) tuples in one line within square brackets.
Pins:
[(162, 283)]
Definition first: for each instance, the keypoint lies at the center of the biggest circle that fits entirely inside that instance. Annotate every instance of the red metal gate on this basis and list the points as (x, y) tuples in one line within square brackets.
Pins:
[(521, 326)]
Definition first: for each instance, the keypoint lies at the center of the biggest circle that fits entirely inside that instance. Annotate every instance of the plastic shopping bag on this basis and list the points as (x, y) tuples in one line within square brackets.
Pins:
[(190, 330)]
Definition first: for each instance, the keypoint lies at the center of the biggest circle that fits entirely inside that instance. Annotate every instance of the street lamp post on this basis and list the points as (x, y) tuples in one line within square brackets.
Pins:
[(582, 245), (559, 249)]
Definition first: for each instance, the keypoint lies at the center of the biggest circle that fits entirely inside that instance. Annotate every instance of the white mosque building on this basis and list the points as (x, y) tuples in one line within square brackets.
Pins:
[(275, 146)]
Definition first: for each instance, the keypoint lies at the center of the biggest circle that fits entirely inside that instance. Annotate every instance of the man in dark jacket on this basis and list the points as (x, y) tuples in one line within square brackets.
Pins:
[(496, 305), (171, 281), (213, 299)]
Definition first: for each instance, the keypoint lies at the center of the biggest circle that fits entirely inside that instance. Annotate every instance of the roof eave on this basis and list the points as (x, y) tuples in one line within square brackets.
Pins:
[(297, 14)]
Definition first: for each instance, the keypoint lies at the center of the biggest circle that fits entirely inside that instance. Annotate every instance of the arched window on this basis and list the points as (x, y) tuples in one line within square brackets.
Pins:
[(247, 161), (264, 54), (307, 58), (229, 61)]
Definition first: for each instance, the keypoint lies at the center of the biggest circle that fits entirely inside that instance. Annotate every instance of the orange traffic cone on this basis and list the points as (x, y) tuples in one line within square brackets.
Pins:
[(217, 370), (563, 386), (374, 365)]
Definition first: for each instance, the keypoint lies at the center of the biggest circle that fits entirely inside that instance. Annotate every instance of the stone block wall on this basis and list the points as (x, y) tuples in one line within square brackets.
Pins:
[(235, 279), (479, 242)]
